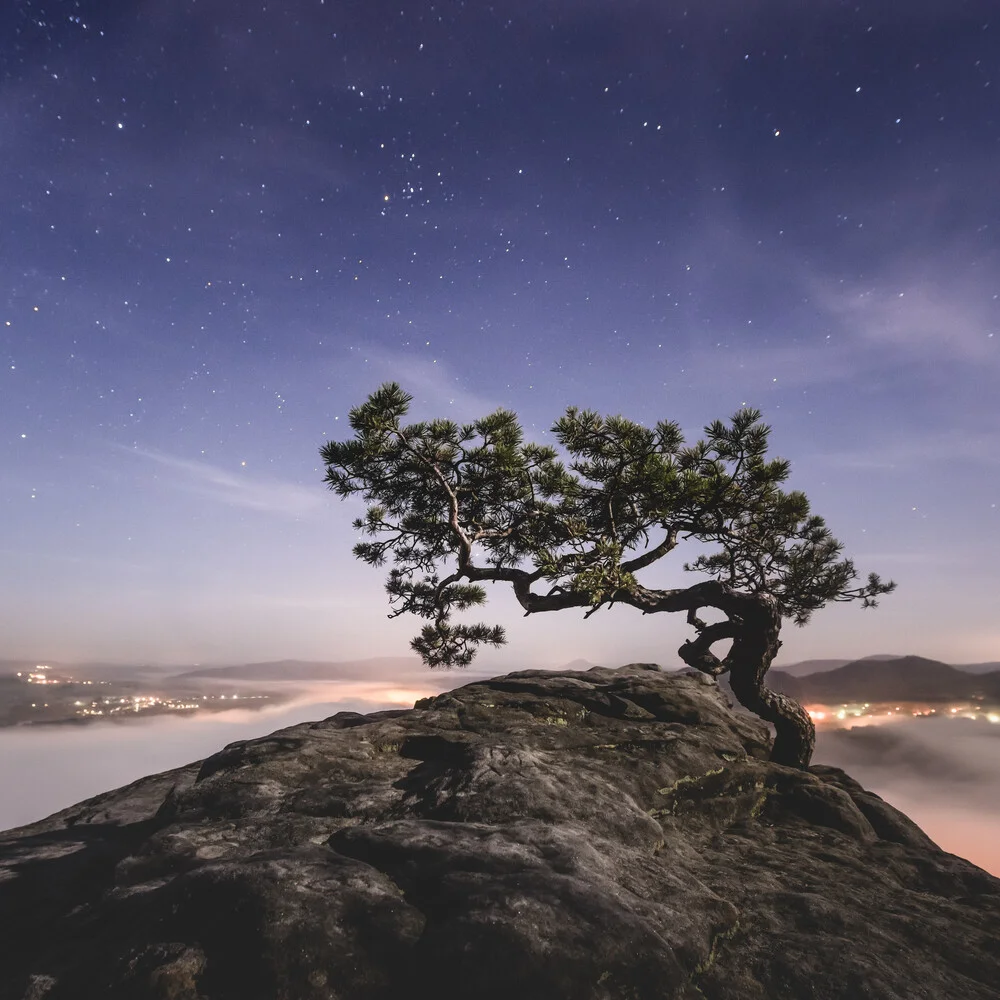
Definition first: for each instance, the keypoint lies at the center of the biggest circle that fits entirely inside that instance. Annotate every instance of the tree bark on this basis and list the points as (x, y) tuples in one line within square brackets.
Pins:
[(754, 624)]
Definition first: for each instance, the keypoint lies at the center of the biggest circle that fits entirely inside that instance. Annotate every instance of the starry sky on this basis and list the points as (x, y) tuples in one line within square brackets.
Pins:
[(224, 223)]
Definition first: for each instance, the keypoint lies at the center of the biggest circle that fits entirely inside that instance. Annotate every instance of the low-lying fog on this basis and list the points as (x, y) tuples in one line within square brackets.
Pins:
[(943, 773), (47, 768)]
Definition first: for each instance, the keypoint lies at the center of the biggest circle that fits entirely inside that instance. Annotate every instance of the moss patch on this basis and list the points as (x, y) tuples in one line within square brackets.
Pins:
[(713, 952), (722, 796)]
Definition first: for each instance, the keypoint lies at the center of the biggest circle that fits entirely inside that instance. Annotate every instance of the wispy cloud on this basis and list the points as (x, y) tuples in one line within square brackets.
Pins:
[(236, 490), (914, 295), (980, 448), (433, 383), (914, 319), (885, 325)]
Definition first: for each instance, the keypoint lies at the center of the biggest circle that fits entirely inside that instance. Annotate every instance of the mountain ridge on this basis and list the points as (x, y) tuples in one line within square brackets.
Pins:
[(908, 678), (298, 670), (321, 668)]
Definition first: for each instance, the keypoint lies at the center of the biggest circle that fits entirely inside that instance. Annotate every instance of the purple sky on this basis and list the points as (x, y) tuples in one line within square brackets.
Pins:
[(224, 224)]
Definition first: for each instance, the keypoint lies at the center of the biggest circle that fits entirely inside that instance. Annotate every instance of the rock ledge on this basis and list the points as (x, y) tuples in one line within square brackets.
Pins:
[(596, 834)]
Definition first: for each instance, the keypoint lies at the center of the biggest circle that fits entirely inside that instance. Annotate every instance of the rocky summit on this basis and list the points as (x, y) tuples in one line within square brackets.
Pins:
[(558, 835)]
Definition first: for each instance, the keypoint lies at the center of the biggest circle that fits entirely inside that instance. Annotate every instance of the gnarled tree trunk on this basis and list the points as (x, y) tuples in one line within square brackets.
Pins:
[(753, 624)]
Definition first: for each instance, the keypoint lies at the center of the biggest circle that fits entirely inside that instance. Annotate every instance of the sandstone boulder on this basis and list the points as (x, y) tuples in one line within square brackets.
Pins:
[(588, 834)]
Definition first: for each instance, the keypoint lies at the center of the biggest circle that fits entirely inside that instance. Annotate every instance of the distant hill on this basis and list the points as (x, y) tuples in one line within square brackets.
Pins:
[(979, 668), (908, 678), (804, 667), (309, 670), (878, 679), (93, 671), (578, 664)]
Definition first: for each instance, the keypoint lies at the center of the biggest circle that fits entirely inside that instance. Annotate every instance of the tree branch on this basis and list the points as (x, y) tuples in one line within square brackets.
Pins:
[(647, 558)]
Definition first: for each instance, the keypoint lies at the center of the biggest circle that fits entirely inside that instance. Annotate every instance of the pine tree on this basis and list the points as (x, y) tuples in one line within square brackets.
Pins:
[(456, 506)]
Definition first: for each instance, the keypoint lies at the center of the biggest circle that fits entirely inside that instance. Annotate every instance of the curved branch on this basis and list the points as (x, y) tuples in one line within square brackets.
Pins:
[(697, 652), (647, 558)]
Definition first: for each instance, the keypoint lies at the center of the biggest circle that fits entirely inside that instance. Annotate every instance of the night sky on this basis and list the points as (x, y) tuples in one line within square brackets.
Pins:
[(223, 224)]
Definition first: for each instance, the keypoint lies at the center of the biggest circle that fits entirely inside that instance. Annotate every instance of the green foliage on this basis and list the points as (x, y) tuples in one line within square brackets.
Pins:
[(497, 509)]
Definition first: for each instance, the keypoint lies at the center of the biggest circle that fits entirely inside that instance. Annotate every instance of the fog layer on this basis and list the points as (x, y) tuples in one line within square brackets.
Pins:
[(943, 773), (47, 768)]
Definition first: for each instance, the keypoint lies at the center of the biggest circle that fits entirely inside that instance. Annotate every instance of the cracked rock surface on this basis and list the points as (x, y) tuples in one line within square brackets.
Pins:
[(596, 834)]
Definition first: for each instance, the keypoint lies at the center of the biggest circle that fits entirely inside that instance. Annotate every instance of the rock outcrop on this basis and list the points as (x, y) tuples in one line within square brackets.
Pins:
[(596, 834)]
